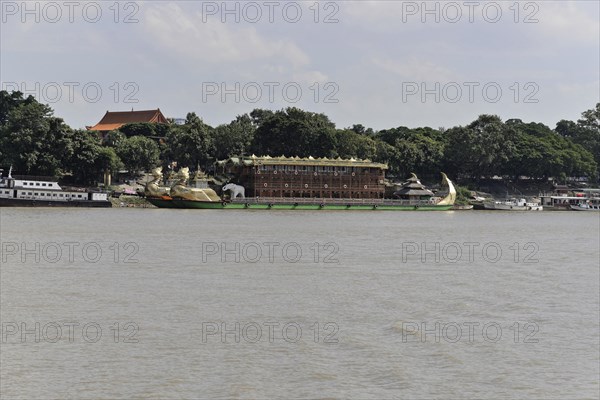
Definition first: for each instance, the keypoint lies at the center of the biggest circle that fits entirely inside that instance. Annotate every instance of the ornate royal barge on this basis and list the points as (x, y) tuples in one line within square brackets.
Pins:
[(293, 183)]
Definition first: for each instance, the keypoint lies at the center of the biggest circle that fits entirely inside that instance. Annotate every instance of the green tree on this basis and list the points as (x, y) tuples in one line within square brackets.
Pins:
[(361, 130), (350, 144), (387, 154), (108, 160), (419, 150), (138, 153), (481, 149), (234, 138), (31, 138), (543, 153), (88, 160), (259, 116), (114, 139), (190, 144), (590, 119), (147, 129), (586, 132), (294, 132), (10, 101)]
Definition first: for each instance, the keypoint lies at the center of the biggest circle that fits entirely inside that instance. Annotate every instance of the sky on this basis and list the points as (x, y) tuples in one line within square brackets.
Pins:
[(381, 64)]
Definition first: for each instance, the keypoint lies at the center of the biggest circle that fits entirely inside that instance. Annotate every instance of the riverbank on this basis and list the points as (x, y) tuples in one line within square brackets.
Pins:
[(131, 202), (527, 188)]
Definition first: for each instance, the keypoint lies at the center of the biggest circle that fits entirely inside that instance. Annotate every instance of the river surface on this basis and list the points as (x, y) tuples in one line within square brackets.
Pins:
[(150, 303)]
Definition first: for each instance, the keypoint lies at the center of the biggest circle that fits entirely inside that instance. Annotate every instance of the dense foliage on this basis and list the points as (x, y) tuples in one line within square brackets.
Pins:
[(34, 141)]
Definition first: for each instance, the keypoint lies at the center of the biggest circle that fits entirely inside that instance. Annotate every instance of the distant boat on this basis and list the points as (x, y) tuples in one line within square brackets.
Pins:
[(514, 205), (590, 205), (560, 202)]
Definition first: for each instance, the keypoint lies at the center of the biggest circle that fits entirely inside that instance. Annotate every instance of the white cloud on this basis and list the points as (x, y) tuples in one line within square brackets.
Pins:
[(369, 53), (310, 77), (212, 42), (585, 89), (569, 21), (414, 69)]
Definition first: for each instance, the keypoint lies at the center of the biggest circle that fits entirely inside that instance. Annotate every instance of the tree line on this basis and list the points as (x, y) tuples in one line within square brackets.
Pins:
[(35, 142)]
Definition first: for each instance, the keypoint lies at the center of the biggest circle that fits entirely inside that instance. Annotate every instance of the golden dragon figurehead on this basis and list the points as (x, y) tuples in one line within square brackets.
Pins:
[(157, 174), (183, 176), (152, 188), (179, 189)]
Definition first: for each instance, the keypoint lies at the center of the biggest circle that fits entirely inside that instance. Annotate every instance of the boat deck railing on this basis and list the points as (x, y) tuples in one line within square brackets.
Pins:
[(331, 201)]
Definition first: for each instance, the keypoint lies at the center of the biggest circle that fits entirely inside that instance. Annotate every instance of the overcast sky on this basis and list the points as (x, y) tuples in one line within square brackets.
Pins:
[(382, 64)]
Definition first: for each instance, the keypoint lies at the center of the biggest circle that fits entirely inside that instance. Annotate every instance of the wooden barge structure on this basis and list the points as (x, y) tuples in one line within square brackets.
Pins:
[(294, 183)]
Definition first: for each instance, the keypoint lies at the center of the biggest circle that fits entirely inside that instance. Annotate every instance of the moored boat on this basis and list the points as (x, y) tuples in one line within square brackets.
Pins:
[(24, 191), (589, 205), (560, 202), (514, 205)]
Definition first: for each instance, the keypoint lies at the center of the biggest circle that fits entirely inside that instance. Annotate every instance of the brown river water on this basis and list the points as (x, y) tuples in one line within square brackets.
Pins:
[(155, 303)]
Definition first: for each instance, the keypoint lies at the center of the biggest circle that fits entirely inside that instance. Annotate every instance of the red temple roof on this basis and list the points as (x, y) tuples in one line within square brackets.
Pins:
[(116, 119)]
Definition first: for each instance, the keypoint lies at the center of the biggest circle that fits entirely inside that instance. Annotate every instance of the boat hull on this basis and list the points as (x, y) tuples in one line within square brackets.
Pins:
[(161, 203), (555, 208), (6, 202), (204, 205), (462, 208), (503, 207), (579, 208)]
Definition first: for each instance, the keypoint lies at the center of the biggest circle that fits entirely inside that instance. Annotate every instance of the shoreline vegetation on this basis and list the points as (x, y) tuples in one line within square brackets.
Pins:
[(486, 155)]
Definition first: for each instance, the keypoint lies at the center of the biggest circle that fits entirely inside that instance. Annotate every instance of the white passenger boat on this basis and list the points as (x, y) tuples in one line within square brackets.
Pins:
[(22, 191), (514, 205)]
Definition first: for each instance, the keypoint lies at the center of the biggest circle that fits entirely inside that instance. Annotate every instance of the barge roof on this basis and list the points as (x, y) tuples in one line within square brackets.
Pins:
[(329, 162)]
